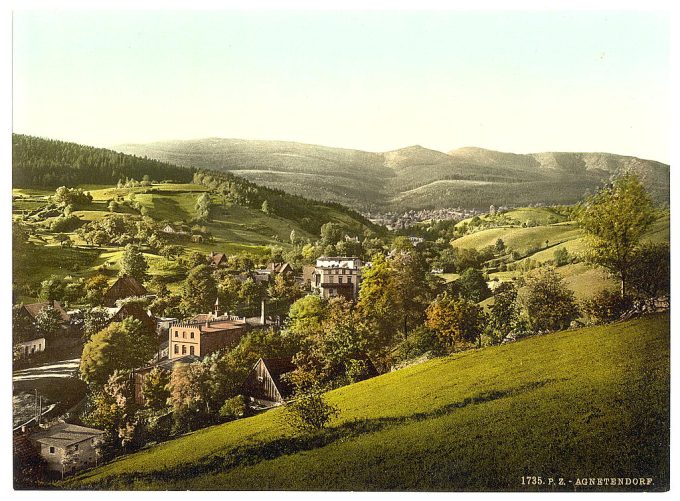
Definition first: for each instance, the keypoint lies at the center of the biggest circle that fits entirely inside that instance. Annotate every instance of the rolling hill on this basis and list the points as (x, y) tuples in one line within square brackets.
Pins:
[(412, 177), (592, 402)]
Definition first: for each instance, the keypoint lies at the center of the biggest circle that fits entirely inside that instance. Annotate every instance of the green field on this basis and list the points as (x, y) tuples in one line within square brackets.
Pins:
[(592, 402), (234, 229)]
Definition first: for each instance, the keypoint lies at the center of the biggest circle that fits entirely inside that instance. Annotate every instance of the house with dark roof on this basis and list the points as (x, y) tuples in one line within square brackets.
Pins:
[(123, 288), (217, 259), (67, 447), (36, 343), (280, 268), (135, 310), (266, 385)]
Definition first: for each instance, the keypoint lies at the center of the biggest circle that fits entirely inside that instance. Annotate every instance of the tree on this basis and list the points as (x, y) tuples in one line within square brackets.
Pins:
[(203, 207), (650, 274), (549, 304), (155, 389), (309, 410), (121, 345), (455, 320), (48, 322), (199, 291), (95, 287), (561, 256), (500, 246), (615, 218), (472, 286), (52, 289), (133, 264), (22, 326), (94, 320), (69, 459), (504, 312)]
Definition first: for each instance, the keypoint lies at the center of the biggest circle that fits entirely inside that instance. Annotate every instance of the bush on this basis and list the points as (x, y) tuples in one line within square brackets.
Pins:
[(310, 411), (420, 341), (606, 306), (234, 408), (549, 304)]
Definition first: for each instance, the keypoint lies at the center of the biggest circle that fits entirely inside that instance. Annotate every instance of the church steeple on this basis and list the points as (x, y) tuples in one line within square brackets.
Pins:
[(216, 310)]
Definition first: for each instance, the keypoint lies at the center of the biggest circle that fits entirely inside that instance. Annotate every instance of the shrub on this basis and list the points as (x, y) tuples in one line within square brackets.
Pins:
[(549, 304), (606, 306), (234, 408)]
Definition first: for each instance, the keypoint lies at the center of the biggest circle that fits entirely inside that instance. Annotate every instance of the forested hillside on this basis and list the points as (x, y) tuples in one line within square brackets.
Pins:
[(38, 162), (412, 177)]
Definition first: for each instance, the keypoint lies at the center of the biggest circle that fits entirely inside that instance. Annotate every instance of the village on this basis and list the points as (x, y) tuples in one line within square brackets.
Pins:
[(67, 448)]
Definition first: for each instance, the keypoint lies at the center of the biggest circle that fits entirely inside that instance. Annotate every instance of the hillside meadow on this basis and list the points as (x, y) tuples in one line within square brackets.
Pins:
[(592, 402)]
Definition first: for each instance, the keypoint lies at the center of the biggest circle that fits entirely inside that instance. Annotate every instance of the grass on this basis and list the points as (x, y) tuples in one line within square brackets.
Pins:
[(520, 239), (592, 402)]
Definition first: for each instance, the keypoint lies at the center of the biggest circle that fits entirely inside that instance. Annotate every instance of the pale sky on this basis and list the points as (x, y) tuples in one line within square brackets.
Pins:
[(513, 81)]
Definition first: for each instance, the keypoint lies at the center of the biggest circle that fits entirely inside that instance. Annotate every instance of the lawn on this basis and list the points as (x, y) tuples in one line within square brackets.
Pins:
[(592, 402)]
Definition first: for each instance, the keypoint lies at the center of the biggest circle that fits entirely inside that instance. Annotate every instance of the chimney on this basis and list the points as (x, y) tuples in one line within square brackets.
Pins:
[(262, 312)]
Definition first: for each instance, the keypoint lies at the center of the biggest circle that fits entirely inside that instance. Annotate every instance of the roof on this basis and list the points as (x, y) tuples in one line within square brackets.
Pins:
[(277, 367), (65, 434), (279, 267), (122, 288), (169, 363), (34, 309), (134, 310), (217, 258)]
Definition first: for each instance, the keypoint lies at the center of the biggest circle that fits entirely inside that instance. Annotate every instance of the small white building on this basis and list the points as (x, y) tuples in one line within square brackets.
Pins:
[(337, 276), (67, 447), (28, 348)]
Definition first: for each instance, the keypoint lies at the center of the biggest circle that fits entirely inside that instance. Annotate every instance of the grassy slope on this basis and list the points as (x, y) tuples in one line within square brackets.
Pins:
[(235, 229), (591, 402)]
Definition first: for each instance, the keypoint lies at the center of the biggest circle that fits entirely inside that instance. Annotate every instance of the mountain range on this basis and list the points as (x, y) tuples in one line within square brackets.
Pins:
[(410, 178)]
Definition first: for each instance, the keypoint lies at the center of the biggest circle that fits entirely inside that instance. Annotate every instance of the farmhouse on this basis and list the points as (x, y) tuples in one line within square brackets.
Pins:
[(135, 310), (36, 343), (123, 288), (337, 276), (67, 447), (265, 385)]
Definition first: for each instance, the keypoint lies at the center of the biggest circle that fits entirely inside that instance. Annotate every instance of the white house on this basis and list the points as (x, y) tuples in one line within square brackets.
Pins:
[(67, 447), (337, 276)]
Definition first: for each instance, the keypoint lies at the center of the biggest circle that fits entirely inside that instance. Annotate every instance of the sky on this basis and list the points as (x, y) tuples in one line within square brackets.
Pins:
[(374, 80)]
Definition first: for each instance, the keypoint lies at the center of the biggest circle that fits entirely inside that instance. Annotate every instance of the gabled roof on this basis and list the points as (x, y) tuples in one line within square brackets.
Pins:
[(34, 309), (65, 434), (277, 367), (279, 267), (134, 310), (217, 258), (122, 288)]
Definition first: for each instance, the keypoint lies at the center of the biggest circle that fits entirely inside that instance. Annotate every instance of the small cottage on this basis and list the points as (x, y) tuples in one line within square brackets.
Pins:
[(265, 385), (123, 288), (67, 447)]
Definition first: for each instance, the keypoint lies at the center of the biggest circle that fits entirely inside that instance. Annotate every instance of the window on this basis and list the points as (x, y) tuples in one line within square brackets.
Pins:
[(176, 348), (192, 335), (184, 350), (191, 350), (176, 333), (51, 450), (339, 280), (349, 280), (184, 334)]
